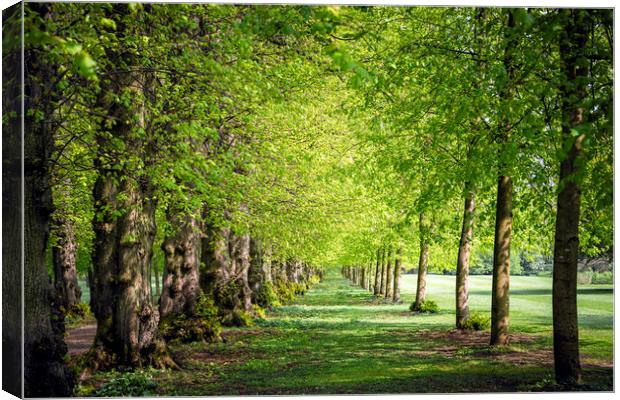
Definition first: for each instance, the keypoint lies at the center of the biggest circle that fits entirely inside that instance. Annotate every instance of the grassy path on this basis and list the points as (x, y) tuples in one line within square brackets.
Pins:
[(339, 339)]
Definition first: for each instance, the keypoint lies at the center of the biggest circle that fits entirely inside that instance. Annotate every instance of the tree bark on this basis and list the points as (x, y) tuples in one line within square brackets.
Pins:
[(377, 282), (382, 281), (45, 373), (12, 202), (182, 250), (363, 277), (501, 263), (420, 293), (565, 322), (503, 211), (397, 271), (226, 259), (124, 222), (64, 256), (462, 263), (389, 275)]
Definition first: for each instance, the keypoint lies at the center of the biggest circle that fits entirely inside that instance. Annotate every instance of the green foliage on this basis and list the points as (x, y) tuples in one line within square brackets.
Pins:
[(76, 312), (600, 278), (426, 307), (139, 383), (477, 322), (267, 295), (204, 325)]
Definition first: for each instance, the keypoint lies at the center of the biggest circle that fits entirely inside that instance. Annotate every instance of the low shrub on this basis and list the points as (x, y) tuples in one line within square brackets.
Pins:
[(241, 318), (75, 312), (139, 383), (204, 325), (258, 311), (603, 278), (584, 277), (268, 296), (427, 307), (477, 322)]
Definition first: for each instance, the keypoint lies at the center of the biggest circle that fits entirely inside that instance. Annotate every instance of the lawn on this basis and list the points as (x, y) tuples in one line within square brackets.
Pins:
[(339, 339)]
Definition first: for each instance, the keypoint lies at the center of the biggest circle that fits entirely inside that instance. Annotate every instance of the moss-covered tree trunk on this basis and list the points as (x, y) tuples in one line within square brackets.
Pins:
[(397, 272), (462, 263), (388, 274), (574, 66), (127, 322), (226, 260), (124, 221), (182, 250), (420, 293), (64, 258), (256, 274)]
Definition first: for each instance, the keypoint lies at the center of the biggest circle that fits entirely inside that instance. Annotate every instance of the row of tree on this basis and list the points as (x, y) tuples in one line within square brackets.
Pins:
[(506, 111), (383, 277), (137, 133), (242, 142)]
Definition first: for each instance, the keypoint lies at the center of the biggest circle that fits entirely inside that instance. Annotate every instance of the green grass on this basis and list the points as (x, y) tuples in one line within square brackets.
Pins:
[(339, 339)]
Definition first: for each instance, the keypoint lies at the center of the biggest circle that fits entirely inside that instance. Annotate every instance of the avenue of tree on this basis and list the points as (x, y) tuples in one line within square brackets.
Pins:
[(247, 148)]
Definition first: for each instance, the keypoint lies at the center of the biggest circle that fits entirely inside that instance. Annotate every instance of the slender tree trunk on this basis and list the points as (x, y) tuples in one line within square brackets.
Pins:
[(155, 268), (462, 263), (382, 282), (501, 263), (565, 325), (503, 213), (389, 274), (420, 294), (256, 278), (363, 277), (397, 271), (377, 283), (64, 256)]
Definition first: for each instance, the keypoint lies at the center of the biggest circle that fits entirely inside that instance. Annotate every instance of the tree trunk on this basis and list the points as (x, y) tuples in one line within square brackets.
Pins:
[(226, 259), (182, 250), (155, 268), (364, 279), (64, 256), (256, 277), (388, 275), (45, 373), (503, 212), (120, 293), (382, 281), (397, 267), (377, 282), (501, 263), (462, 263), (566, 250), (12, 203), (124, 225), (420, 293)]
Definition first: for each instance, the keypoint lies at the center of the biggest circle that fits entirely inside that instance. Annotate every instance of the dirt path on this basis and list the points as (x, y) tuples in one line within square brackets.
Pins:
[(80, 339)]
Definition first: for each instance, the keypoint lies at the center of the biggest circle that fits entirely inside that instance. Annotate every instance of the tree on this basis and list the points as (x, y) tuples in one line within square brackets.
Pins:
[(576, 26)]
